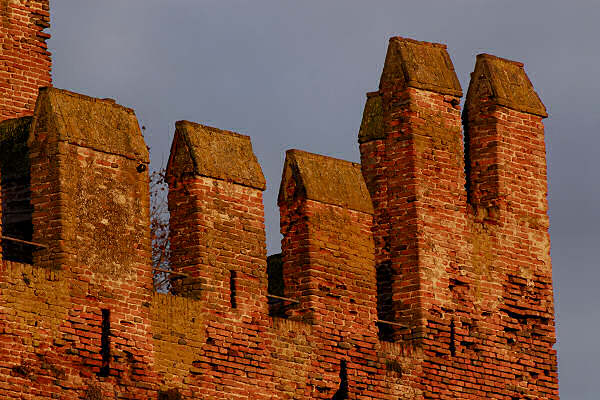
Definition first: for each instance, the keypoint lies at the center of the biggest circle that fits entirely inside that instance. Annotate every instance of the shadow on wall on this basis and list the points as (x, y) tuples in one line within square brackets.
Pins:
[(17, 226)]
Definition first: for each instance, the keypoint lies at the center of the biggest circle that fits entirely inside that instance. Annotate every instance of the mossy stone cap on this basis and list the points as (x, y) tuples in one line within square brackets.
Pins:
[(98, 124), (214, 153), (420, 65), (506, 83), (325, 179), (371, 127)]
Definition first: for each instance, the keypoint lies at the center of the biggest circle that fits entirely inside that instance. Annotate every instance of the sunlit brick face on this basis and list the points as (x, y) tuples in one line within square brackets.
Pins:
[(422, 273), (25, 64)]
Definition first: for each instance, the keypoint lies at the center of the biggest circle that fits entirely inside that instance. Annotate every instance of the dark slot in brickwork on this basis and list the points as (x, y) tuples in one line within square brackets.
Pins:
[(105, 343), (171, 394), (342, 392), (452, 339), (232, 289)]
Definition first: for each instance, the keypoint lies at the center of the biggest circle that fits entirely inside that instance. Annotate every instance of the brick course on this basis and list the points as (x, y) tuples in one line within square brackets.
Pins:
[(25, 61), (406, 276)]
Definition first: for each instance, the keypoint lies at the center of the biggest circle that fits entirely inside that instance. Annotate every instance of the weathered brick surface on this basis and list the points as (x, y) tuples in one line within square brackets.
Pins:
[(325, 249), (218, 242), (24, 58), (412, 163), (509, 230), (406, 276), (217, 216), (90, 208), (473, 277)]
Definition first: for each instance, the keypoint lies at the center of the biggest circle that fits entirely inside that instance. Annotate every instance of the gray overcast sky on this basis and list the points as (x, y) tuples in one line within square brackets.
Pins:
[(293, 74)]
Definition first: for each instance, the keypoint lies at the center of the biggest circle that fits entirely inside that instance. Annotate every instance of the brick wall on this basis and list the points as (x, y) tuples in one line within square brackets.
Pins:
[(25, 61), (217, 216), (327, 254), (509, 227), (470, 279), (218, 242), (80, 321), (407, 276)]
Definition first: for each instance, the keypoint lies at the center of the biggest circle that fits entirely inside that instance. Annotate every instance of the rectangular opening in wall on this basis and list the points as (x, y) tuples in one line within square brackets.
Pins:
[(105, 343), (15, 186), (232, 289), (275, 288)]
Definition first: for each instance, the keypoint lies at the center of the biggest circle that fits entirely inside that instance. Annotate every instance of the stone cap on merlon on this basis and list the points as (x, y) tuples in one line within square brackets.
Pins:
[(420, 65), (326, 180), (409, 63), (506, 83), (98, 124), (214, 153), (371, 127)]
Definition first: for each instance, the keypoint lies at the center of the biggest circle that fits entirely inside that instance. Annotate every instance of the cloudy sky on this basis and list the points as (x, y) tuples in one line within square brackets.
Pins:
[(293, 74)]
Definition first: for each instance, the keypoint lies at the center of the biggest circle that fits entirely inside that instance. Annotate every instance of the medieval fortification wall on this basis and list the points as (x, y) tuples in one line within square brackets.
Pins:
[(422, 273)]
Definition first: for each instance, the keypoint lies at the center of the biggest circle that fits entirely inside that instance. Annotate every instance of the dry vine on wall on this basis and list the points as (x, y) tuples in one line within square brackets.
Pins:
[(159, 230)]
